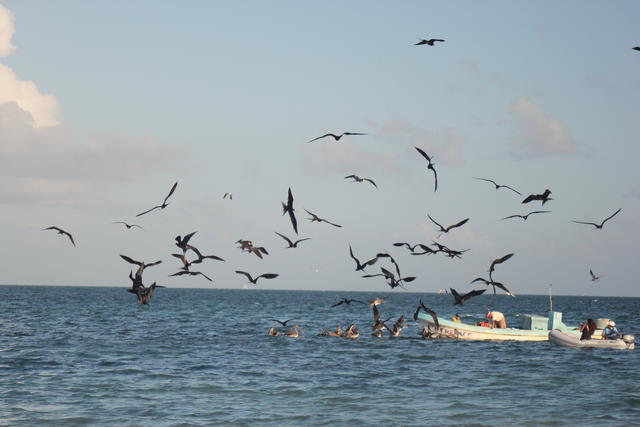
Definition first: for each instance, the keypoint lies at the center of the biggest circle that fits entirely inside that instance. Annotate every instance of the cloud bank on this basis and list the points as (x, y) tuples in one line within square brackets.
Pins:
[(7, 29), (538, 133)]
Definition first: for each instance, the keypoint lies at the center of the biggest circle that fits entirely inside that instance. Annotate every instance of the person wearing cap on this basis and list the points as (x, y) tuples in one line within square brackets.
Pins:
[(610, 332), (497, 319)]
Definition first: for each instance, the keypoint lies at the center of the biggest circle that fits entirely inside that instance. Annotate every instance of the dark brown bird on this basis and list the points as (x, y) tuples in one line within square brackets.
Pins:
[(61, 231), (498, 186), (347, 301), (336, 137), (426, 309), (497, 261), (141, 266), (494, 284), (544, 197), (316, 218), (356, 178), (429, 166), (183, 242), (288, 208), (636, 48), (129, 226), (426, 250), (446, 230), (229, 195), (599, 226), (291, 243), (429, 42), (459, 299), (191, 273), (594, 278), (378, 323), (524, 217), (164, 202), (254, 281), (361, 266), (282, 322)]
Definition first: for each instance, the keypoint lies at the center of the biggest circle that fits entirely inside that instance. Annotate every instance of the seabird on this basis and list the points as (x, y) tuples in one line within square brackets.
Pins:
[(347, 301), (291, 243), (594, 278), (141, 266), (273, 332), (544, 197), (336, 137), (254, 281), (599, 226), (497, 261), (229, 195), (356, 178), (191, 273), (293, 332), (164, 202), (352, 332), (429, 42), (282, 322), (524, 217), (316, 218), (288, 208), (498, 186), (429, 166), (129, 226), (446, 230), (459, 299), (61, 231), (359, 266)]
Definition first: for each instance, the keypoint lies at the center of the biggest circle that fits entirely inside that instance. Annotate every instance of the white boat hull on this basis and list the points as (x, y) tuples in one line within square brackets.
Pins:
[(570, 340)]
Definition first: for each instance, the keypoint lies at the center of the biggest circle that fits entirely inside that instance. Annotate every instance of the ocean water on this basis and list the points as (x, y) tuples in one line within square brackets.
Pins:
[(92, 356)]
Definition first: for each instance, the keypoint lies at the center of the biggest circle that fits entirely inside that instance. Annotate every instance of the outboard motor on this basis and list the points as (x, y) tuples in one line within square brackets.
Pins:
[(628, 338)]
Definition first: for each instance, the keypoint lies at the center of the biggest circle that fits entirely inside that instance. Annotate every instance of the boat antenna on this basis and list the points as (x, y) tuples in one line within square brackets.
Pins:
[(550, 300)]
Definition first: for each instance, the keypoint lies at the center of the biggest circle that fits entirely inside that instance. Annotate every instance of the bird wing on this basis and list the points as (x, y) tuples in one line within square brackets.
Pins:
[(531, 198), (247, 275), (425, 155), (435, 176), (300, 240), (434, 221), (513, 216), (480, 279), (53, 228), (420, 42), (376, 313), (323, 136), (151, 264), (182, 258), (329, 222), (351, 176), (353, 133), (130, 261), (488, 180), (147, 211), (436, 40), (512, 189), (589, 223), (504, 288), (387, 273), (371, 181), (180, 273), (337, 304), (188, 237), (593, 276), (463, 222), (268, 276), (433, 314), (608, 218), (203, 275), (294, 221), (472, 294), (358, 265), (499, 261), (285, 238), (170, 192), (70, 237)]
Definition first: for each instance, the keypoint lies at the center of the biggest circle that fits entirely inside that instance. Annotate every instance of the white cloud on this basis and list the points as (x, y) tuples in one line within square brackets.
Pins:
[(538, 133), (6, 31)]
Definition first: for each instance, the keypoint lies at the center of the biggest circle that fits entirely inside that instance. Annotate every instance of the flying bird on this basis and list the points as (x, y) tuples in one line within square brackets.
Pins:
[(61, 231), (288, 208), (336, 137), (282, 322), (524, 217), (347, 301), (594, 278), (426, 309), (636, 48), (459, 299), (498, 261), (599, 226), (254, 281), (164, 202), (446, 230), (544, 197), (429, 166), (316, 218), (191, 273), (229, 195), (356, 178), (361, 266), (429, 42), (141, 266), (129, 226), (291, 243), (498, 186)]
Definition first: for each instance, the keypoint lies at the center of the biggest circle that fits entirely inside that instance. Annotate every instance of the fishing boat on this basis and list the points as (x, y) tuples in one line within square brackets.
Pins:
[(533, 328), (564, 339)]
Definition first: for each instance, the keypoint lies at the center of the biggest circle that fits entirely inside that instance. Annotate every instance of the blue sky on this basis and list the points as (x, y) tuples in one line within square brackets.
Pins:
[(104, 105)]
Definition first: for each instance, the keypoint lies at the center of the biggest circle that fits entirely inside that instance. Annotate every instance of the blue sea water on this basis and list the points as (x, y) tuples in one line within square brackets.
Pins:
[(92, 356)]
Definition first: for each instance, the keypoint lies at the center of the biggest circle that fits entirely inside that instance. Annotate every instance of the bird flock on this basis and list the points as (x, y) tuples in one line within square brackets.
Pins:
[(190, 255)]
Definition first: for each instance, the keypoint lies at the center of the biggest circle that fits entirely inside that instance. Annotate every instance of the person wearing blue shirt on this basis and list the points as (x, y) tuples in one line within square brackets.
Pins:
[(610, 332)]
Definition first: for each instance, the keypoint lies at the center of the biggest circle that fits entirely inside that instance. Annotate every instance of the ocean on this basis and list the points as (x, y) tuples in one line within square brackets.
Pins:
[(91, 356)]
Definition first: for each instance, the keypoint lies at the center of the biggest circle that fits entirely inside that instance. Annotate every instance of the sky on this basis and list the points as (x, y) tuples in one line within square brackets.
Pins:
[(104, 105)]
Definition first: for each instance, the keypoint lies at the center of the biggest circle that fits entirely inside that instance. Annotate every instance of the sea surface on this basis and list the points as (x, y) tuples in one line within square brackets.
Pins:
[(92, 356)]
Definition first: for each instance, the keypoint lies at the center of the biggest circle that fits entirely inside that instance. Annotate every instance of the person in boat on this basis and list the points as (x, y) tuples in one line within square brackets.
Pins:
[(497, 319), (610, 332), (587, 328), (456, 318)]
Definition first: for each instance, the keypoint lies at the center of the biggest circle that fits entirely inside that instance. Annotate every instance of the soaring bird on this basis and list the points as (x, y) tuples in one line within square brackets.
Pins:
[(459, 299), (429, 166), (288, 208), (229, 195), (429, 42), (61, 231), (356, 178), (524, 217), (497, 261), (191, 273), (316, 218), (599, 226), (446, 230), (254, 281), (361, 266), (129, 226), (498, 186), (347, 301), (594, 278), (291, 243), (336, 137), (544, 197), (164, 202)]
